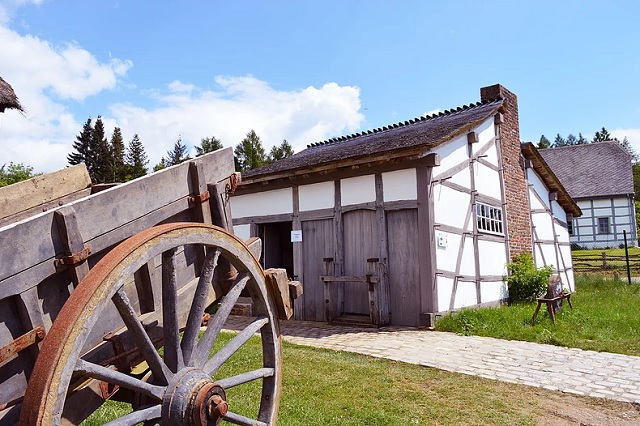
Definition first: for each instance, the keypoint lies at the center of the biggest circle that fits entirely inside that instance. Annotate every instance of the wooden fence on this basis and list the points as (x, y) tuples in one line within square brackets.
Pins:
[(605, 263)]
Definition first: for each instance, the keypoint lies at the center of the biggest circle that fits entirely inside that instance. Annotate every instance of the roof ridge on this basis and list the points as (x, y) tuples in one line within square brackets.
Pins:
[(411, 121)]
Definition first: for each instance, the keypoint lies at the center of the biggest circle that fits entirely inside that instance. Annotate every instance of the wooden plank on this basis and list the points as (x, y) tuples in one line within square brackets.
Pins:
[(345, 278), (317, 244), (361, 242), (426, 241), (42, 189), (31, 242), (404, 272), (382, 291), (71, 239), (45, 207)]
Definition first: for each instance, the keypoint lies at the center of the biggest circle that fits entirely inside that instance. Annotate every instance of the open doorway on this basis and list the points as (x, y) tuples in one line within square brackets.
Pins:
[(277, 249)]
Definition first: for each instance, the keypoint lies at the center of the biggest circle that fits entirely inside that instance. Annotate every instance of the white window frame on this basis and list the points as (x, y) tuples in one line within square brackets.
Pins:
[(489, 219)]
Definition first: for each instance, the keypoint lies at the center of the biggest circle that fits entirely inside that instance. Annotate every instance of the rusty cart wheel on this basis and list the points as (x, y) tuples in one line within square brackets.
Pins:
[(181, 384)]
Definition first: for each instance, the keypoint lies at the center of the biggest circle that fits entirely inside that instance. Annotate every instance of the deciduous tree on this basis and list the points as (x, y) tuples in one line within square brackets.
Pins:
[(279, 152), (208, 145)]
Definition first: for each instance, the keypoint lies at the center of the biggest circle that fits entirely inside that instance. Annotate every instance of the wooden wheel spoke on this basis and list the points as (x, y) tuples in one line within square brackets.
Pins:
[(247, 377), (230, 348), (201, 353), (130, 318), (192, 328), (171, 329), (237, 419), (146, 414), (117, 378)]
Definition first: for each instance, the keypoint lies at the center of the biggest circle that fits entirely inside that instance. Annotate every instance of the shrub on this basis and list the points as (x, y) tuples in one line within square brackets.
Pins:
[(526, 282)]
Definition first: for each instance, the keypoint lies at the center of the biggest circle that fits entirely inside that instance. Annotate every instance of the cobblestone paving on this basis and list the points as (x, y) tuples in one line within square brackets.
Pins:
[(575, 371)]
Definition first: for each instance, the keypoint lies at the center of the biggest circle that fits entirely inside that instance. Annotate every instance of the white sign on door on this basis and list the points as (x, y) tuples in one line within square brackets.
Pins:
[(296, 236)]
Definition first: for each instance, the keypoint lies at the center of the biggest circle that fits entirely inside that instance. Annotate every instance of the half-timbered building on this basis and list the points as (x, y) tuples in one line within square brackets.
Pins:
[(400, 223)]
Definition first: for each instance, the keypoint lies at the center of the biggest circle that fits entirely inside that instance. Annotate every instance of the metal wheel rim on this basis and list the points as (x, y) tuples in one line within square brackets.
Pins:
[(59, 355)]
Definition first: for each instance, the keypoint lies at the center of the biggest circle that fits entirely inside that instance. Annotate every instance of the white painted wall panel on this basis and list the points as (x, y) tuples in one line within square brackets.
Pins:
[(242, 231), (466, 295), (492, 291), (549, 252), (493, 257), (486, 130), (400, 185), (357, 190), (534, 203), (451, 154), (462, 178), (278, 201), (450, 206), (487, 181), (468, 266), (445, 287), (537, 255), (620, 201), (622, 211), (559, 212), (538, 186), (601, 203), (317, 196), (562, 233), (446, 256), (543, 226)]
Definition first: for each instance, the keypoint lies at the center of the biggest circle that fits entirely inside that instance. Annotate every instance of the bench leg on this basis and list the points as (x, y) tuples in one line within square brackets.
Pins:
[(535, 314), (569, 300), (551, 312)]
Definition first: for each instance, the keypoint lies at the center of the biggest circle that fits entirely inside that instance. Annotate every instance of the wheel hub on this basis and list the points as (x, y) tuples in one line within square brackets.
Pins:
[(192, 398)]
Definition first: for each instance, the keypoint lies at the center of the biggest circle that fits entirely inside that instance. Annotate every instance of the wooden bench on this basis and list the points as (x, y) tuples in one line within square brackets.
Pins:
[(551, 305)]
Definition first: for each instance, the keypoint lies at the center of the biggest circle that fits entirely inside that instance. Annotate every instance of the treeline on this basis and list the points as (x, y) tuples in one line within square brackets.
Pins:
[(108, 160), (600, 136)]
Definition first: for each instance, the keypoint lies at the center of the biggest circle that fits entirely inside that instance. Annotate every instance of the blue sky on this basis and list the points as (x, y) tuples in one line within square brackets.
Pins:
[(307, 70)]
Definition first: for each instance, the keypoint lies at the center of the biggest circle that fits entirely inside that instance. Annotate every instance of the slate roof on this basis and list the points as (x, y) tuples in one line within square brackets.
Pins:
[(553, 184), (592, 170), (425, 131), (8, 98)]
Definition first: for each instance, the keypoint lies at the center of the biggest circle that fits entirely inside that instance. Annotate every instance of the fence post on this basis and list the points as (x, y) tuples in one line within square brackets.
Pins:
[(604, 259), (626, 256)]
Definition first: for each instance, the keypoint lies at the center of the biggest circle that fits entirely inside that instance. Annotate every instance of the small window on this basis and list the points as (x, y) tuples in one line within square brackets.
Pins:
[(603, 225), (489, 218)]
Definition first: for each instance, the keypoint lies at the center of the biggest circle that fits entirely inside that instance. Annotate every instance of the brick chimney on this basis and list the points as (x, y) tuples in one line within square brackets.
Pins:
[(515, 182)]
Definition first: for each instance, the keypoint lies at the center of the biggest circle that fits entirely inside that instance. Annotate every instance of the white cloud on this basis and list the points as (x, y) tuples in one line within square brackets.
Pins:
[(50, 81), (7, 7), (238, 105)]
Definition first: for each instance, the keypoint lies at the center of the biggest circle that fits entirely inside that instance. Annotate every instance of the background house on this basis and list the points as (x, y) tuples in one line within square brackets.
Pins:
[(599, 178), (407, 220)]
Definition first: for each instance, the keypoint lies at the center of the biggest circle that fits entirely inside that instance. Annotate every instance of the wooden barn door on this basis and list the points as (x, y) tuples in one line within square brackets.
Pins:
[(317, 244), (404, 278), (361, 242)]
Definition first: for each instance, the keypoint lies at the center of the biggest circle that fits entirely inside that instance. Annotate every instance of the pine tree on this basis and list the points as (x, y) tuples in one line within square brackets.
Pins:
[(544, 142), (136, 159), (208, 145), (177, 155), (279, 152), (602, 136), (82, 146), (559, 141), (571, 140), (100, 153), (118, 169), (581, 140), (249, 153)]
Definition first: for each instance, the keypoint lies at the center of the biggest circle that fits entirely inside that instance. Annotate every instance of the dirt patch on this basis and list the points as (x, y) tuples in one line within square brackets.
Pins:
[(563, 409)]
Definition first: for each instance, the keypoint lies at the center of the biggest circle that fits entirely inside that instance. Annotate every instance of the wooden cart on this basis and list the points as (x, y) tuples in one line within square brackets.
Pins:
[(93, 284)]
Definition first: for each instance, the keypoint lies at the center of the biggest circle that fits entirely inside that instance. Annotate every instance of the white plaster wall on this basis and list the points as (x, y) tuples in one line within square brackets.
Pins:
[(400, 185), (539, 187), (618, 202), (445, 287), (537, 255), (468, 265), (316, 196), (242, 231), (486, 130), (549, 252), (492, 291), (279, 201), (562, 233), (543, 226), (446, 257), (450, 206), (534, 203), (466, 295), (493, 257), (462, 178), (357, 190), (451, 154), (487, 181), (491, 155), (601, 203), (558, 211)]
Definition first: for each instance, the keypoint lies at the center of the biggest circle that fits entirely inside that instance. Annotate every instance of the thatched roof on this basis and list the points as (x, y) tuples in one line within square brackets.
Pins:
[(8, 98)]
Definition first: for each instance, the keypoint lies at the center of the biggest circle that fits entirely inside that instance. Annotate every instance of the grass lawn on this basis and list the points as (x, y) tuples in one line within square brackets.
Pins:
[(605, 317), (323, 387)]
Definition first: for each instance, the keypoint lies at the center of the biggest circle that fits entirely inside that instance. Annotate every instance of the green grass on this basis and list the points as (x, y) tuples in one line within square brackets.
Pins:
[(604, 318), (323, 387)]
